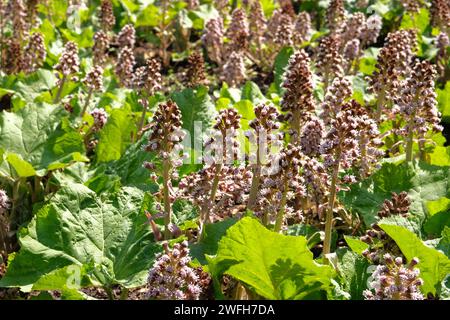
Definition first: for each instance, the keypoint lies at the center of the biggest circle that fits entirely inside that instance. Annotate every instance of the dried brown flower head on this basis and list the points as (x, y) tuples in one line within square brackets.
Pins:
[(393, 63), (166, 132), (283, 36), (440, 14), (195, 75), (398, 205), (338, 93), (298, 100), (417, 104), (329, 61), (148, 77)]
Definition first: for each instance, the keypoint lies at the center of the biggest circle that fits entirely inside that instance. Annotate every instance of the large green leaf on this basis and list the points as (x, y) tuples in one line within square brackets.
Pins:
[(196, 106), (251, 91), (444, 242), (440, 156), (281, 62), (41, 136), (129, 168), (422, 181), (443, 98), (439, 216), (434, 266), (354, 269), (355, 244), (76, 227), (202, 14), (209, 243), (115, 136), (419, 20), (273, 265), (148, 17), (32, 87)]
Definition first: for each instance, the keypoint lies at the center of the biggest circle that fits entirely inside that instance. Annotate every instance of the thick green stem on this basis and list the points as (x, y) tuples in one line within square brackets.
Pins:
[(329, 216), (265, 217), (395, 138), (326, 80), (47, 185), (87, 136), (380, 103), (254, 188), (205, 216), (215, 185), (409, 146), (4, 246), (410, 140), (295, 126), (86, 104), (142, 121), (422, 152), (255, 180), (109, 292), (166, 194), (163, 33), (280, 214), (60, 89), (260, 52), (37, 187), (15, 199), (124, 294), (1, 42)]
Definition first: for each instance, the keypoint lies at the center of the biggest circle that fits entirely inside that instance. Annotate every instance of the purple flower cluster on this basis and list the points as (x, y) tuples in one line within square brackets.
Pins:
[(392, 280), (100, 118), (69, 62), (171, 278)]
